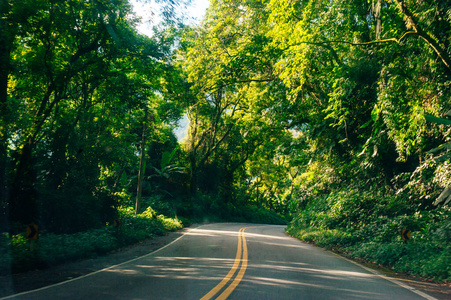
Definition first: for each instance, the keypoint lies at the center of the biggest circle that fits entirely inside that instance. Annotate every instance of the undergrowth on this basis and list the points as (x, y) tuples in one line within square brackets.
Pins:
[(368, 225), (207, 208), (19, 254)]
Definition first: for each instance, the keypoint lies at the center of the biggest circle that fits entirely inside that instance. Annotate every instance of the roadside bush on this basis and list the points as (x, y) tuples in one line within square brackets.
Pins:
[(5, 253), (368, 225), (262, 216), (386, 254), (324, 237), (207, 208), (161, 205), (19, 254), (348, 206), (145, 225), (415, 258), (313, 215)]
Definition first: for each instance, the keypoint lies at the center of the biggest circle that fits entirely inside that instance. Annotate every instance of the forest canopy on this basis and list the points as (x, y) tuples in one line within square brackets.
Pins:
[(332, 115)]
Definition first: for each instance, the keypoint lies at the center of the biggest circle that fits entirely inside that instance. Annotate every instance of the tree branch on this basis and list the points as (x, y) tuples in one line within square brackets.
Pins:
[(418, 31), (326, 43), (409, 18)]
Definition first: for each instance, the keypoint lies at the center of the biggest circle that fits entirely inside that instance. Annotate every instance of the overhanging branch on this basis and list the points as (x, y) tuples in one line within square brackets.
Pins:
[(410, 20), (432, 43)]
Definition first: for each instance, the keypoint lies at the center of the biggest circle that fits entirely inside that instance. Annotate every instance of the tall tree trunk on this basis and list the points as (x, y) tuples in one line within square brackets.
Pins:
[(23, 205), (258, 204), (5, 49), (141, 171), (377, 4), (193, 181)]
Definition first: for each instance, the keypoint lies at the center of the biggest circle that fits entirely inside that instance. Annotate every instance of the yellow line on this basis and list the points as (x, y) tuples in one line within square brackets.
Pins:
[(226, 279), (240, 275)]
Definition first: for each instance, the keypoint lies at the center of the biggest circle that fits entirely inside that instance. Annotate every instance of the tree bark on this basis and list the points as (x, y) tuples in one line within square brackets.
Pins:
[(141, 171), (5, 49), (377, 15)]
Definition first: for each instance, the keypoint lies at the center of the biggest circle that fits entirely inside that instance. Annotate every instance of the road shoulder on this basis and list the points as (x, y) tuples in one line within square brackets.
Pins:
[(31, 280), (441, 291)]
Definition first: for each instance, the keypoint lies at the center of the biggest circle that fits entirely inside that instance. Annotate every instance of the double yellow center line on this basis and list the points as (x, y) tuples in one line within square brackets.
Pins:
[(241, 256)]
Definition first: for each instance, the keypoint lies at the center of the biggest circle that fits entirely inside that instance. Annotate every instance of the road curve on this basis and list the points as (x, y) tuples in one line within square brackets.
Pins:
[(231, 261)]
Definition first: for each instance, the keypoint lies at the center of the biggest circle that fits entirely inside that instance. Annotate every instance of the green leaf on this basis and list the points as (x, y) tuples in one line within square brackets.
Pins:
[(437, 120), (446, 146), (442, 158), (374, 113), (366, 124), (124, 178), (167, 157), (445, 197)]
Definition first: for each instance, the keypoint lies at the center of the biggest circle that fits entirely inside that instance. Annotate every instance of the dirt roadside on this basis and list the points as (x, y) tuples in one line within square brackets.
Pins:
[(31, 280)]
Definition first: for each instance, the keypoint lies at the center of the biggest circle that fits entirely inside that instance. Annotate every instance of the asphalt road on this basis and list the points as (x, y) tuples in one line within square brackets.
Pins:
[(231, 261)]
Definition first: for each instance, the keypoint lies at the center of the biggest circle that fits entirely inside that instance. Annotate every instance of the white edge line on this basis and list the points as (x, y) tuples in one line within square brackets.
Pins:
[(393, 280), (95, 272)]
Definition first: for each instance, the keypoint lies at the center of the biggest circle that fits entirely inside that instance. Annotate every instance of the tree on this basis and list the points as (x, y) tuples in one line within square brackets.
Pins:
[(354, 77), (78, 76), (240, 103)]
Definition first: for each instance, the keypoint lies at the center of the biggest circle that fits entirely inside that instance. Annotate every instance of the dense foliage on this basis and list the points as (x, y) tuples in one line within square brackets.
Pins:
[(335, 113), (332, 114), (19, 254)]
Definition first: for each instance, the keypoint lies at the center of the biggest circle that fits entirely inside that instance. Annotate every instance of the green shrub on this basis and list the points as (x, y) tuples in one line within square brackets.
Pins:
[(324, 237), (367, 223), (384, 254), (208, 208), (5, 252), (20, 254)]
